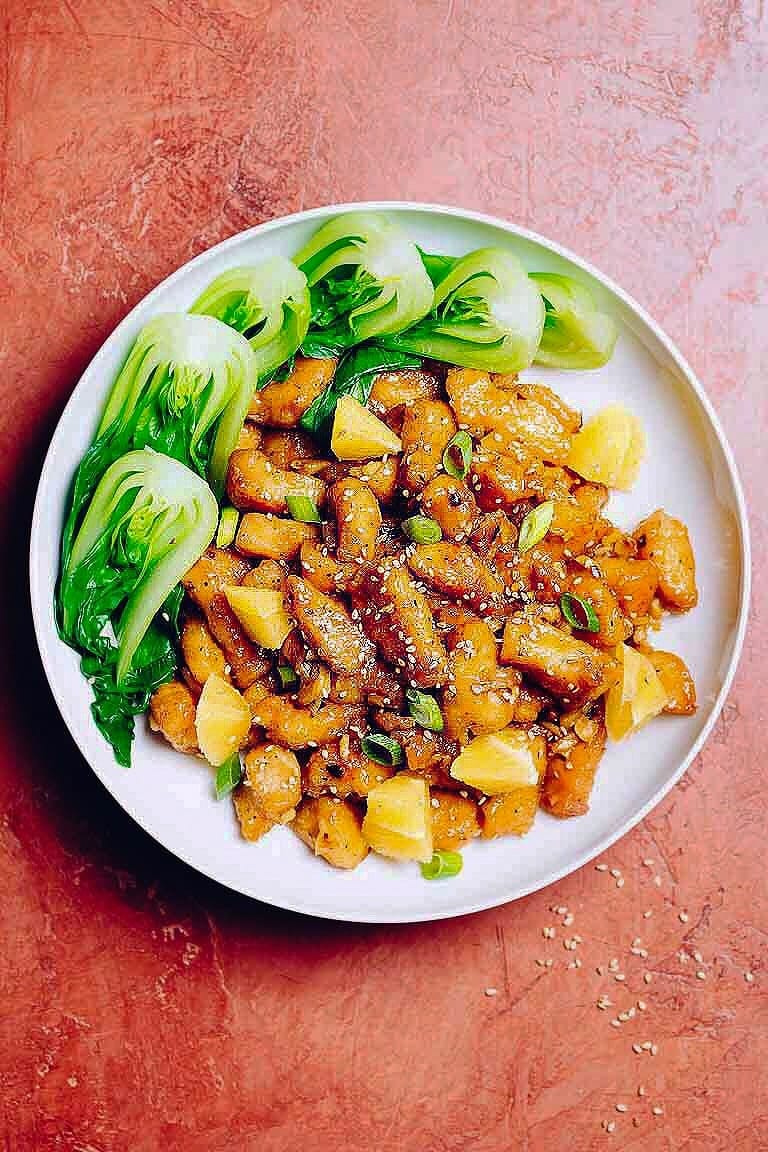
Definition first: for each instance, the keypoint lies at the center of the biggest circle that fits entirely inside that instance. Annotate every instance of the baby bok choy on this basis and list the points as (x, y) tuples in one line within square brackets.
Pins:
[(184, 391), (486, 314), (576, 334), (366, 280), (149, 519), (268, 303)]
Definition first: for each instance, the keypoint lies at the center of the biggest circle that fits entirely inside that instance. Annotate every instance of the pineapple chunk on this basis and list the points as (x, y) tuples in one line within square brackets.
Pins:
[(222, 720), (358, 434), (262, 613), (398, 821), (502, 761), (609, 449), (638, 696)]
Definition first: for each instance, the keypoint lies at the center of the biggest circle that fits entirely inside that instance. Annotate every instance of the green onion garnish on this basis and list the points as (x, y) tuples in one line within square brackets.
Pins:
[(424, 709), (458, 455), (288, 677), (535, 526), (382, 749), (422, 530), (442, 865), (227, 530), (579, 613), (228, 775), (301, 508)]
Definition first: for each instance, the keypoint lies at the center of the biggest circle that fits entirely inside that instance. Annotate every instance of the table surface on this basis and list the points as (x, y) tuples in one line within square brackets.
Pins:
[(143, 1007)]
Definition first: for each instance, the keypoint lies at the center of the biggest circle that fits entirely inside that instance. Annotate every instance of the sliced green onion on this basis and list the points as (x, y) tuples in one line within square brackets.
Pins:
[(288, 677), (227, 530), (535, 526), (422, 530), (301, 508), (424, 709), (458, 455), (228, 775), (579, 613), (382, 749), (442, 866)]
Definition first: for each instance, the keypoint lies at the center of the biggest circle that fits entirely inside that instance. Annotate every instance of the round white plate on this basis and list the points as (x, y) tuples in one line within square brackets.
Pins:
[(688, 470)]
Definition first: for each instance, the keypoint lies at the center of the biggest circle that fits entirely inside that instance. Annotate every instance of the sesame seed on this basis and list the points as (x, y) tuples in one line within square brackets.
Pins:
[(603, 1003), (616, 1022), (698, 957), (657, 1110), (749, 977), (701, 974), (615, 872), (636, 1049), (601, 867), (648, 862), (620, 882), (654, 1049), (682, 917), (610, 1126), (647, 978), (548, 933), (641, 1090), (568, 920), (619, 976), (491, 991), (641, 1004), (647, 914), (657, 881), (621, 1108)]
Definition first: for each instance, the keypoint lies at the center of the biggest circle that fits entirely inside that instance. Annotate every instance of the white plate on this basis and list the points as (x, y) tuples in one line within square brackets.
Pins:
[(688, 470)]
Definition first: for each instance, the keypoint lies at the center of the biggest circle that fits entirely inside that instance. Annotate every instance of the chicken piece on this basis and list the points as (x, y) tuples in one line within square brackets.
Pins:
[(246, 660), (427, 754), (283, 402), (253, 821), (212, 573), (273, 775), (665, 541), (613, 627), (255, 484), (527, 413), (511, 814), (578, 526), (330, 630), (454, 820), (569, 778), (450, 503), (202, 655), (295, 727), (398, 619), (332, 828), (249, 438), (676, 681), (272, 537), (320, 569), (481, 696), (342, 769), (562, 664), (529, 704), (380, 476), (395, 389), (172, 713), (268, 574), (493, 531), (541, 571), (358, 519), (633, 582), (458, 572), (287, 448), (499, 482), (428, 425)]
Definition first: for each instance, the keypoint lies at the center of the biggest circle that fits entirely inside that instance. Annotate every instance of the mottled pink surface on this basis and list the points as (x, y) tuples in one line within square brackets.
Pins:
[(144, 1008)]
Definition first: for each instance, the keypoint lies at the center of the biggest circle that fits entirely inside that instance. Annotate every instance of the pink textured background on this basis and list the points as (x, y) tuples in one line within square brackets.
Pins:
[(141, 1007)]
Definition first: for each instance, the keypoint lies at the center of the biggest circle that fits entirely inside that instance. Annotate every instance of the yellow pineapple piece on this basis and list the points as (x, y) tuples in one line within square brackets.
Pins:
[(502, 761), (262, 613), (637, 697), (358, 434), (222, 720), (397, 821), (609, 449)]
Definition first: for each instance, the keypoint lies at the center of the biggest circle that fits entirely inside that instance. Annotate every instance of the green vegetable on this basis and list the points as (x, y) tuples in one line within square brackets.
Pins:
[(422, 530), (184, 391), (149, 520), (535, 526), (230, 518), (486, 314), (424, 709), (302, 508), (289, 679), (382, 749), (228, 775), (576, 334), (457, 456), (442, 866), (354, 376), (437, 266), (579, 613), (366, 280), (268, 303)]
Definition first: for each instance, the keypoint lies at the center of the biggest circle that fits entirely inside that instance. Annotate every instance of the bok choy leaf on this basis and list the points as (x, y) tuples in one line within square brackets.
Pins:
[(354, 376), (149, 519), (268, 303), (576, 334), (366, 280), (486, 314)]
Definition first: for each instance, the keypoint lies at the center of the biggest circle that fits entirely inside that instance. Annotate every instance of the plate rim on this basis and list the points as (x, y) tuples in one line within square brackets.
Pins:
[(45, 634)]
